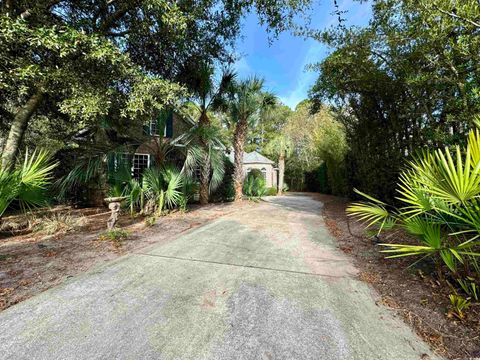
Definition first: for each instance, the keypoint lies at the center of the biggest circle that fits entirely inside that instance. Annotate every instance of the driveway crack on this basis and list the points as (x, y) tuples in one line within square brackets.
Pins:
[(239, 265)]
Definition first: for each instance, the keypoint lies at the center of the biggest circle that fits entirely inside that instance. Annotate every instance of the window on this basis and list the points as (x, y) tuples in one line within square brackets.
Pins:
[(134, 165), (196, 173), (139, 164), (264, 173), (154, 128)]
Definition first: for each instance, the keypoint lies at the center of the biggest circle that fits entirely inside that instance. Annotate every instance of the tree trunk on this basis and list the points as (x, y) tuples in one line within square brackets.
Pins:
[(238, 147), (204, 122), (204, 182), (281, 172), (17, 130)]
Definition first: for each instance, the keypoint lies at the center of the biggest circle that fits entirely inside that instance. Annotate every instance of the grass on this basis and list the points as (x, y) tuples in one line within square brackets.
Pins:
[(150, 221), (116, 236), (58, 224)]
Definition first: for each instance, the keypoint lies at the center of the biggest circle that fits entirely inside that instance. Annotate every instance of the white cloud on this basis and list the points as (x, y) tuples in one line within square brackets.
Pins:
[(305, 78)]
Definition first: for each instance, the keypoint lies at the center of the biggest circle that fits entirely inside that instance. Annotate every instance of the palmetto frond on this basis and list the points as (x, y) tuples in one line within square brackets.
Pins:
[(163, 186), (474, 145), (174, 182), (217, 164), (372, 212), (27, 183), (449, 178), (280, 145), (441, 196), (135, 195), (247, 99)]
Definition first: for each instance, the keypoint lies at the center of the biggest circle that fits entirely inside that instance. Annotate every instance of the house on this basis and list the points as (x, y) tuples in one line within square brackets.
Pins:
[(255, 160), (153, 148)]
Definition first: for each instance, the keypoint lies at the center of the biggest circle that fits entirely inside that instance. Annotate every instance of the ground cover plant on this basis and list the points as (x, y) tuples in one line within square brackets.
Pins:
[(439, 193)]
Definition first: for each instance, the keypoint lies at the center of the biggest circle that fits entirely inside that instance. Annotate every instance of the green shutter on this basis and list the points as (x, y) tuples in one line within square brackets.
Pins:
[(146, 129), (169, 131)]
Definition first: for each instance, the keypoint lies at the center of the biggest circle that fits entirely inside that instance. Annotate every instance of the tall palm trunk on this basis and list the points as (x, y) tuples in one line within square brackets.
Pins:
[(281, 172), (17, 130), (238, 147), (204, 122)]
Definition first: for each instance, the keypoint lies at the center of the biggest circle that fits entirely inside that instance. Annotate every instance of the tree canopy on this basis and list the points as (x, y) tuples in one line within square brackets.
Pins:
[(80, 62), (407, 80)]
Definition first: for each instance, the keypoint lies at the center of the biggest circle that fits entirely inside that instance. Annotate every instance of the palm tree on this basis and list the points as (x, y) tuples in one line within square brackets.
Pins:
[(206, 154), (27, 182), (247, 101), (280, 146), (209, 94)]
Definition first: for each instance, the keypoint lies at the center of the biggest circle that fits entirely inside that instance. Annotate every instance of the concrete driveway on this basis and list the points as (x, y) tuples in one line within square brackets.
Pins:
[(267, 283)]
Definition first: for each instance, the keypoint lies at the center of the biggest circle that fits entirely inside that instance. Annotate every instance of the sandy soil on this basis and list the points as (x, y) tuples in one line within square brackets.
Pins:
[(32, 263), (416, 296)]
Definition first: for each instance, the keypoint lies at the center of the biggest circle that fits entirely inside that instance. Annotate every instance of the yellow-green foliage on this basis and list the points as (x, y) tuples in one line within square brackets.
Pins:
[(459, 304), (114, 235), (316, 137), (440, 193), (59, 223)]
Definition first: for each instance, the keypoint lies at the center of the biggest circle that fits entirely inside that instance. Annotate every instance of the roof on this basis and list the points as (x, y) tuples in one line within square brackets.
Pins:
[(253, 157)]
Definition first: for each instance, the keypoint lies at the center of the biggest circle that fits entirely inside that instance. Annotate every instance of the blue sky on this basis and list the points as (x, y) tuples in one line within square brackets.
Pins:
[(282, 64)]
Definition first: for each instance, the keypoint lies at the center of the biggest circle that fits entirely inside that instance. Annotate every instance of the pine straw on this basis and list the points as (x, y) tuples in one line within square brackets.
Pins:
[(415, 296)]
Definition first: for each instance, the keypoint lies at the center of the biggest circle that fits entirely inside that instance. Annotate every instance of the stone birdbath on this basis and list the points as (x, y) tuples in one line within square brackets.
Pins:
[(114, 204)]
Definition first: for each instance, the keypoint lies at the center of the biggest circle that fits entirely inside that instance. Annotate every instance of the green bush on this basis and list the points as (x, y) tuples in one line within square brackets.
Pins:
[(27, 183), (439, 192), (116, 236), (160, 189), (226, 191), (271, 191), (255, 173), (317, 180), (254, 187)]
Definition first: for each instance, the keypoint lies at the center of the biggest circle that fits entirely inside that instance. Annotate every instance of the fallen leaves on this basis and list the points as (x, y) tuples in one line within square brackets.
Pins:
[(369, 277), (6, 291)]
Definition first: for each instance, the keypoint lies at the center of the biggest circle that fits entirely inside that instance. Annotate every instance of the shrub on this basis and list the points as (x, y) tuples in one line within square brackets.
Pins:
[(255, 173), (440, 194), (226, 191), (254, 187), (458, 305), (271, 191), (160, 188), (59, 223), (116, 236), (189, 189), (317, 180), (27, 183), (150, 220)]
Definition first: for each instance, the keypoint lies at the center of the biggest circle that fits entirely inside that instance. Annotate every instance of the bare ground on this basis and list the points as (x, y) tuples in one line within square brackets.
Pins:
[(409, 290), (32, 263)]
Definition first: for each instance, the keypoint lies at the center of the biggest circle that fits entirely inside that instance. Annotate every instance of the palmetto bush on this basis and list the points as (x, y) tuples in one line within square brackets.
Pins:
[(254, 186), (440, 193), (160, 188), (27, 183)]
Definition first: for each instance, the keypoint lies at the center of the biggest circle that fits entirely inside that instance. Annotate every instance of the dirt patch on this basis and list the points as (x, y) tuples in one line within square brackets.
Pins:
[(32, 263), (408, 290)]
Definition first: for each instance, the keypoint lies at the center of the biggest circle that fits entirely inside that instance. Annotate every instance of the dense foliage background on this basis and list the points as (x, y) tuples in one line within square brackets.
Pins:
[(409, 80)]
